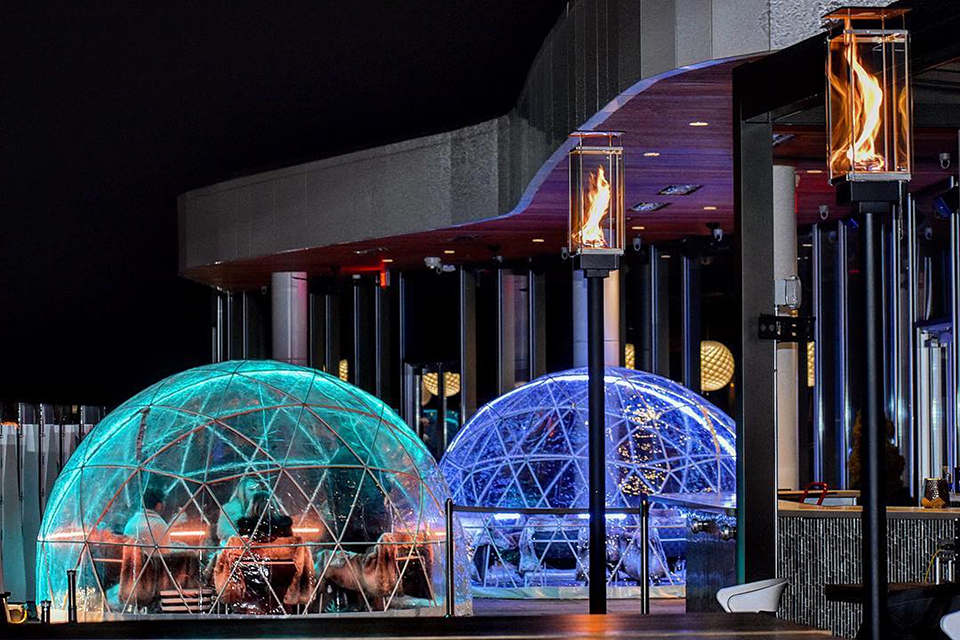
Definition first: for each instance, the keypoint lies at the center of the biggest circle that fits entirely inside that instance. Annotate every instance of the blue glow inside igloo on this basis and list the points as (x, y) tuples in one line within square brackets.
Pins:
[(528, 449)]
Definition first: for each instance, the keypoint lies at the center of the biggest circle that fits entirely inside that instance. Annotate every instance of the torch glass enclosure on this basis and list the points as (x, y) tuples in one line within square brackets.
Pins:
[(868, 97), (596, 194)]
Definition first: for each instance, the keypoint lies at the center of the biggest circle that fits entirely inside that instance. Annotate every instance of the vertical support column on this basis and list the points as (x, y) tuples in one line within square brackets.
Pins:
[(365, 336), (289, 305), (358, 370), (895, 315), (818, 344), (407, 391), (596, 449), (31, 514), (580, 336), (14, 565), (910, 448), (843, 355), (318, 330), (537, 340), (378, 342), (228, 347), (219, 327), (954, 375), (690, 282), (650, 349), (468, 344), (506, 333), (612, 347), (785, 266), (444, 428), (331, 333), (245, 325), (754, 264)]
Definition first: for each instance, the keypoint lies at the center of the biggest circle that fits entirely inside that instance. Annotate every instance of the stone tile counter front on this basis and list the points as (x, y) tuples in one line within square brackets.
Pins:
[(819, 546)]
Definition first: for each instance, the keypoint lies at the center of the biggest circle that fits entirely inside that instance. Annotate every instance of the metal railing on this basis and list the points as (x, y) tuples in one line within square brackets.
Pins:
[(643, 512)]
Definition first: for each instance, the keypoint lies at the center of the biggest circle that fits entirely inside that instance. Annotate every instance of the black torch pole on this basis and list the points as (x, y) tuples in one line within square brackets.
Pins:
[(873, 436), (597, 453)]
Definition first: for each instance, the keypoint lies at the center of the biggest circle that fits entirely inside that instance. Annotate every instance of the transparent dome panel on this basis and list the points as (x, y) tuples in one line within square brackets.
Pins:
[(528, 449), (249, 488)]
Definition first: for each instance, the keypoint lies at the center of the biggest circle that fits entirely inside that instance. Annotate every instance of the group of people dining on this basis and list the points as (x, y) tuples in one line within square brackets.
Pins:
[(256, 561)]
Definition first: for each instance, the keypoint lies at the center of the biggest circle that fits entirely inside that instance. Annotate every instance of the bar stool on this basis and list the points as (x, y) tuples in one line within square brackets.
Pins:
[(752, 597)]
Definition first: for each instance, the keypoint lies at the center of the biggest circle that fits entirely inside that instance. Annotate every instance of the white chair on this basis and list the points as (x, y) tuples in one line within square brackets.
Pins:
[(752, 597), (950, 625)]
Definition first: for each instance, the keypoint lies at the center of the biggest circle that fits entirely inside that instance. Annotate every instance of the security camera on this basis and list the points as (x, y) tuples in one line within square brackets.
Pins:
[(564, 253), (432, 262), (637, 243), (928, 233), (944, 160), (715, 230), (824, 211)]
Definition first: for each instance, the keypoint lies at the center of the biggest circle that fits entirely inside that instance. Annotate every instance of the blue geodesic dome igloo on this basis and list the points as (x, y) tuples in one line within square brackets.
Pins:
[(248, 487), (528, 449)]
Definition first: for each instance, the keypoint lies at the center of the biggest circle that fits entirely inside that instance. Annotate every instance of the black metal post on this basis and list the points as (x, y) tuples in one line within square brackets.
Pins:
[(873, 522), (756, 397), (690, 319), (72, 596), (873, 200), (597, 452), (451, 592), (645, 555)]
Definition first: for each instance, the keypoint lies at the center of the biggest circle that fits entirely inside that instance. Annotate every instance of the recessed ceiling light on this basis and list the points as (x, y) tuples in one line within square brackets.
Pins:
[(646, 207), (699, 123), (652, 154), (709, 207), (814, 171), (678, 189), (538, 240), (806, 245), (449, 252), (387, 260), (639, 228), (665, 256)]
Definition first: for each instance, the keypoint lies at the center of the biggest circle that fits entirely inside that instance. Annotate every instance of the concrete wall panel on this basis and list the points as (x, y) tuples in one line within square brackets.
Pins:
[(658, 37), (694, 26), (597, 49)]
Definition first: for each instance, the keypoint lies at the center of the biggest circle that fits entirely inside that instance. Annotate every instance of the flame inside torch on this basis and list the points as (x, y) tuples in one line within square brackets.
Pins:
[(596, 204), (865, 114)]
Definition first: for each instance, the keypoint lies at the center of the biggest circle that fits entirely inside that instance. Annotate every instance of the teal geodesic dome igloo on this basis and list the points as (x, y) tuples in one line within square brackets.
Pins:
[(248, 487), (528, 449)]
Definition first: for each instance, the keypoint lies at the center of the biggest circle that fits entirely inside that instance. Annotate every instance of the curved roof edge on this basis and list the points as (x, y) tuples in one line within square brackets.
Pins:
[(597, 56)]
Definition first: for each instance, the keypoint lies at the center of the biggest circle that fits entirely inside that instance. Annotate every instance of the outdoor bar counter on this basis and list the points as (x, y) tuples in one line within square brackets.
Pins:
[(820, 546), (816, 547)]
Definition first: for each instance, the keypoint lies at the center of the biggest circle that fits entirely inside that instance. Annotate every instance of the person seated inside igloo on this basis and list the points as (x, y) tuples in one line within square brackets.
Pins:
[(152, 562), (380, 560), (262, 567), (238, 505)]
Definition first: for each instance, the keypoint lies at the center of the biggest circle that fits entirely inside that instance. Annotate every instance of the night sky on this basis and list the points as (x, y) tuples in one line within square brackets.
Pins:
[(112, 109)]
